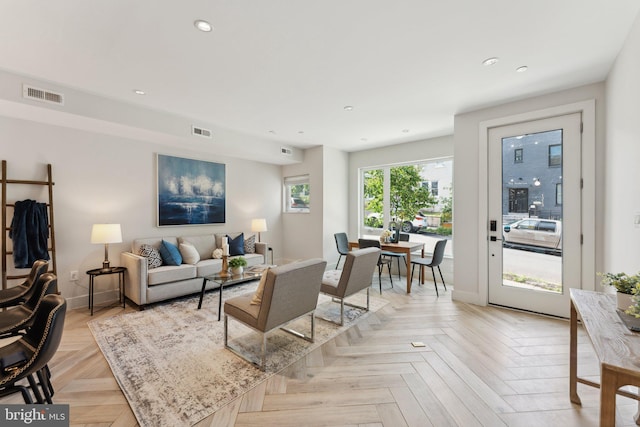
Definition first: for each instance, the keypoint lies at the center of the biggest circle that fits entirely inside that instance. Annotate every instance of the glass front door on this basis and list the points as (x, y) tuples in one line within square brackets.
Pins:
[(534, 243)]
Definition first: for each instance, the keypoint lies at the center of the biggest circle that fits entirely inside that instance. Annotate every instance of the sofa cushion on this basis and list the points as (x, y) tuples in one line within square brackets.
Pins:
[(171, 273), (170, 253), (236, 246), (204, 244), (331, 278), (189, 253), (250, 244), (152, 255), (207, 267), (153, 241)]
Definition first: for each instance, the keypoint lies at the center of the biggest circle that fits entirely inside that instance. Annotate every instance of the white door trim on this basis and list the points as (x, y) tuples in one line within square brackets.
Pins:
[(588, 164)]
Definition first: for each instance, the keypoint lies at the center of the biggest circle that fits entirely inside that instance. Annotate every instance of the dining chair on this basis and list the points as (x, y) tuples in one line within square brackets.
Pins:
[(342, 243), (370, 243), (434, 261), (18, 294), (402, 237)]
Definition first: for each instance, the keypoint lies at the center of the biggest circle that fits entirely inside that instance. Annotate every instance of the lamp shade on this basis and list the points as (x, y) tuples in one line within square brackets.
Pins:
[(258, 225), (106, 233)]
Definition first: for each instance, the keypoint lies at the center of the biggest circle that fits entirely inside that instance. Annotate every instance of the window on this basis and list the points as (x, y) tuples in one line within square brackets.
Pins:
[(555, 155), (527, 224), (549, 226), (558, 194), (434, 188), (392, 195), (518, 200), (296, 193), (372, 201), (517, 155)]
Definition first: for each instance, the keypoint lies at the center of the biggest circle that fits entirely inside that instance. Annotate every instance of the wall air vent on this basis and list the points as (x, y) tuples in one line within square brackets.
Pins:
[(285, 151), (205, 133), (42, 95)]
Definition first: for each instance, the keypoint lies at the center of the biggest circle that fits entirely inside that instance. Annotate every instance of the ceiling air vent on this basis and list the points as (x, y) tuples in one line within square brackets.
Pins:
[(205, 133), (285, 151), (42, 95)]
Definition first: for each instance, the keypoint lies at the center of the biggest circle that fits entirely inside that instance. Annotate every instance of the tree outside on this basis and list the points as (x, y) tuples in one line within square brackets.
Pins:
[(407, 196)]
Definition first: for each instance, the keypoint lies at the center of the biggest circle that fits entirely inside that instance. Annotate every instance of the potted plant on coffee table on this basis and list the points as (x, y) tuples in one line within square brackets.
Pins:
[(625, 285), (237, 265)]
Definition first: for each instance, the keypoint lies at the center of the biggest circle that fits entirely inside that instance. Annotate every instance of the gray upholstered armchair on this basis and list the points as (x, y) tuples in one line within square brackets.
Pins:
[(355, 276), (289, 292)]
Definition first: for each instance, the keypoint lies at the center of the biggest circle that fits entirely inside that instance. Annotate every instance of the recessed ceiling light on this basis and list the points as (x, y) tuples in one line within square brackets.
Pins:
[(272, 131), (490, 61), (139, 92), (364, 139), (522, 69), (300, 131), (348, 108), (405, 130), (203, 25)]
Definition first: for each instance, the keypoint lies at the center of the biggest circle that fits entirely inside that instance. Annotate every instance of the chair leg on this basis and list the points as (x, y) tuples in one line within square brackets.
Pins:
[(34, 388), (264, 352), (337, 263), (445, 285), (390, 277), (46, 385), (399, 278), (380, 277), (434, 281)]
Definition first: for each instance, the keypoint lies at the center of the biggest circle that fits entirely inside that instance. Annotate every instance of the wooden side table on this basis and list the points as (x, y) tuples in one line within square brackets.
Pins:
[(101, 272)]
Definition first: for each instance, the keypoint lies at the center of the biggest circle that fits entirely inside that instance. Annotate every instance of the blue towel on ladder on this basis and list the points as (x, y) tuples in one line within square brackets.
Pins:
[(29, 232)]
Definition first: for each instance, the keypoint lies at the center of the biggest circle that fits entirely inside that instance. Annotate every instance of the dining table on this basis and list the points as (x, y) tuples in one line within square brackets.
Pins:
[(403, 248)]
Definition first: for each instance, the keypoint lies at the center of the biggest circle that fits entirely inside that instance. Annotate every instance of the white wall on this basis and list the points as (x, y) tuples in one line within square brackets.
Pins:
[(336, 200), (103, 178), (303, 231), (622, 197), (468, 206)]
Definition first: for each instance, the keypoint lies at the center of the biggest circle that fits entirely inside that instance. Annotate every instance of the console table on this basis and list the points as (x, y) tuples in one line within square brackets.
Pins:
[(617, 348)]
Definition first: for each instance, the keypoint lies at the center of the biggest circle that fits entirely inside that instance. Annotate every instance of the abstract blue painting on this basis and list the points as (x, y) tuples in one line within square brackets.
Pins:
[(190, 192)]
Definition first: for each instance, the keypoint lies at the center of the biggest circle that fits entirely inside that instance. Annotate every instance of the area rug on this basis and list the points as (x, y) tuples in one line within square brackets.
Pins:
[(170, 360)]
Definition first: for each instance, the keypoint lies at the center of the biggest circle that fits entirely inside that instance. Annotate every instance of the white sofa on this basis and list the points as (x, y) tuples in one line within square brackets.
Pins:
[(145, 285)]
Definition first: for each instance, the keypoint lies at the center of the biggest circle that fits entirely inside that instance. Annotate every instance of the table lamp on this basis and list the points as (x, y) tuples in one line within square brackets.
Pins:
[(258, 225), (106, 233)]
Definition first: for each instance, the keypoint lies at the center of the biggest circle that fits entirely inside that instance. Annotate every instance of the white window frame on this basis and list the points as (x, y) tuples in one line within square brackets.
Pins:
[(289, 182)]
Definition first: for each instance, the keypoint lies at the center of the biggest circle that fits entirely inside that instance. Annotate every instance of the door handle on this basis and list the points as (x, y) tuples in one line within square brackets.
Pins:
[(494, 239)]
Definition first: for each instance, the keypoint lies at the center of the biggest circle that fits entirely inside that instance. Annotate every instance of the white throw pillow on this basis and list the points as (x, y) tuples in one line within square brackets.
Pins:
[(217, 253), (257, 297), (189, 253)]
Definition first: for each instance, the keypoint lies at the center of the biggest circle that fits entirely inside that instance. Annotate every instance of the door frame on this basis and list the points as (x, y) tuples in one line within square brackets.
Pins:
[(588, 172)]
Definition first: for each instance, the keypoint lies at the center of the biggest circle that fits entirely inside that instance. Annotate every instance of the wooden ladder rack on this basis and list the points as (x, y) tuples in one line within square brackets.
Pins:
[(6, 224)]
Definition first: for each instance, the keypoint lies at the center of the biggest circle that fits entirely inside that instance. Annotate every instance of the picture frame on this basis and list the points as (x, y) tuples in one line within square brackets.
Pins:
[(190, 191)]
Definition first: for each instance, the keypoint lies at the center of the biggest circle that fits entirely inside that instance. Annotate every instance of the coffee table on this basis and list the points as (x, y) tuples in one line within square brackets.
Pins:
[(226, 280)]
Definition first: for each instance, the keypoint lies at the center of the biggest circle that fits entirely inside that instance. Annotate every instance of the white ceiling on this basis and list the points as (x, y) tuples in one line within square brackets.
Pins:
[(276, 68)]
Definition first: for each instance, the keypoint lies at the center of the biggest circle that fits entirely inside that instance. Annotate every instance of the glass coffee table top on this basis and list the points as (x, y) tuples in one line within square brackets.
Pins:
[(230, 279), (226, 280)]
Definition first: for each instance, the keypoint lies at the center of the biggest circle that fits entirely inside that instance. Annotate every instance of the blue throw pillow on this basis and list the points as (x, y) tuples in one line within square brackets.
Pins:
[(170, 253), (236, 246)]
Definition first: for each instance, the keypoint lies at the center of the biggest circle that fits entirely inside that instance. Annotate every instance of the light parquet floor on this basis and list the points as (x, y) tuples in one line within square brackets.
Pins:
[(481, 366)]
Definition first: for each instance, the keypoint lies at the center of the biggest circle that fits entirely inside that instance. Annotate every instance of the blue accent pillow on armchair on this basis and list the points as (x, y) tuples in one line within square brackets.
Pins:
[(170, 253), (236, 246)]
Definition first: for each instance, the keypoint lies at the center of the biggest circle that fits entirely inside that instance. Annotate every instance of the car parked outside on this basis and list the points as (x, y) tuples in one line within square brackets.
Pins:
[(298, 203), (545, 233)]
